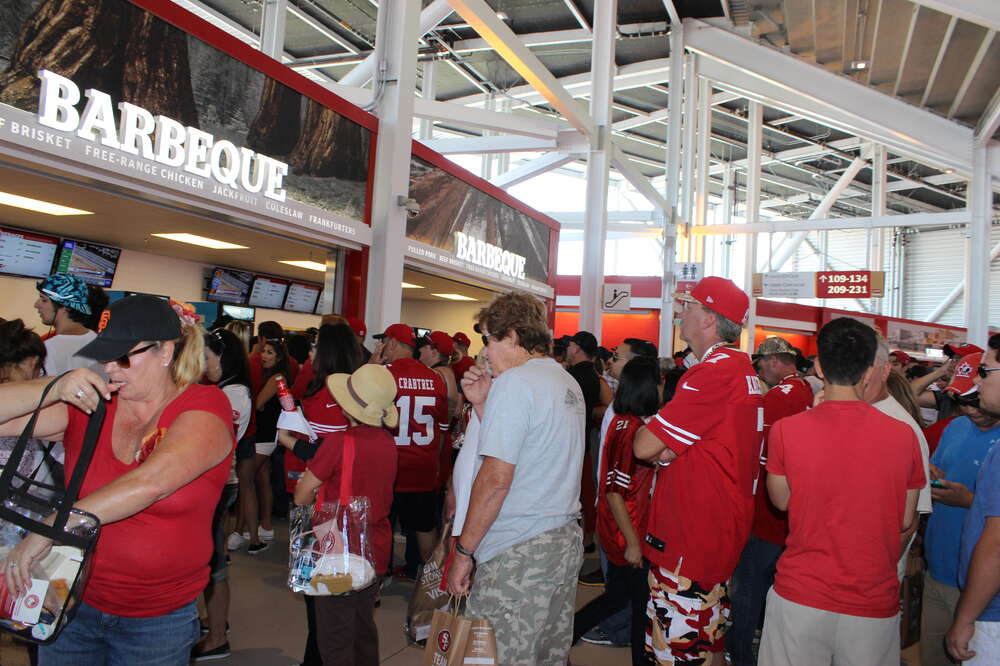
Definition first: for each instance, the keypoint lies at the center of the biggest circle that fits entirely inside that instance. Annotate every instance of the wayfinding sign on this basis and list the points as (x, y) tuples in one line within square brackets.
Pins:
[(822, 284)]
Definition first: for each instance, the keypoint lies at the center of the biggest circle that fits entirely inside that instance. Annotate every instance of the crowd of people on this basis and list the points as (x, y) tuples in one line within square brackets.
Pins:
[(746, 508)]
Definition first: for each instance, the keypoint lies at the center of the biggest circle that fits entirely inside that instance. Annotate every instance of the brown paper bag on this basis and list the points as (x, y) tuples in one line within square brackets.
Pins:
[(427, 593), (481, 649), (448, 638)]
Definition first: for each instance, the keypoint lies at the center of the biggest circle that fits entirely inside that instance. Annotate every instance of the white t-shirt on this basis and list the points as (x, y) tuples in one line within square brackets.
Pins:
[(239, 399), (533, 419), (891, 407), (60, 353)]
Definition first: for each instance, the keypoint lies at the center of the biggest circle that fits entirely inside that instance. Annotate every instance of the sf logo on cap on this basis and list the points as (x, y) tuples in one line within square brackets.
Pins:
[(105, 318)]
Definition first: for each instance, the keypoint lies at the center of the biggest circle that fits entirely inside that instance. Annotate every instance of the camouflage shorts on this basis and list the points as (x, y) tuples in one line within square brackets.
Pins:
[(688, 620), (529, 593)]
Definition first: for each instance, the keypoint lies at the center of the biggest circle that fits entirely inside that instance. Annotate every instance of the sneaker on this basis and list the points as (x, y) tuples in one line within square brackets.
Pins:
[(265, 535), (237, 540), (593, 579), (220, 652), (596, 637), (255, 548)]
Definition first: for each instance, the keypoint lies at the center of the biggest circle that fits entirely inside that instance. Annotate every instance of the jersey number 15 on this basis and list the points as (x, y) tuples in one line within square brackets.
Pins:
[(421, 416)]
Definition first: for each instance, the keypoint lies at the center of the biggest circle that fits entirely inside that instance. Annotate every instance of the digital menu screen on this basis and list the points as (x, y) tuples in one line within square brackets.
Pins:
[(302, 297), (26, 253), (268, 292), (238, 312), (94, 264), (229, 286)]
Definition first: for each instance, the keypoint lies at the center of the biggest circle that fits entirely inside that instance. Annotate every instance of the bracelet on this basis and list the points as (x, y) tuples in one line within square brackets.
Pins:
[(462, 551)]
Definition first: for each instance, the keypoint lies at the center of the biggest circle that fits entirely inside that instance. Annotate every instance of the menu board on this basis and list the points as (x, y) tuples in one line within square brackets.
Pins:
[(229, 286), (302, 297), (95, 264), (268, 292), (28, 254)]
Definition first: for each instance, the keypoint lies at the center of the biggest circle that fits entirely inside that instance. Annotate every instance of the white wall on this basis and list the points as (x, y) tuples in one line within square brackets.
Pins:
[(138, 271), (441, 316)]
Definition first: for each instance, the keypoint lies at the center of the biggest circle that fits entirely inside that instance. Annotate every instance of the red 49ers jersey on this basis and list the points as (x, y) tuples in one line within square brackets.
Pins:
[(422, 400), (702, 506)]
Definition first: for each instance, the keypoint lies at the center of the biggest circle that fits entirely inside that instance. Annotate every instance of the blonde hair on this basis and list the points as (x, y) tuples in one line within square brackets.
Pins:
[(243, 330), (188, 364)]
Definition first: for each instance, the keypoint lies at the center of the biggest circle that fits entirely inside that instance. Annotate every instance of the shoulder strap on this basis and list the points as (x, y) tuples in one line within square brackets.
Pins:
[(17, 453), (347, 469)]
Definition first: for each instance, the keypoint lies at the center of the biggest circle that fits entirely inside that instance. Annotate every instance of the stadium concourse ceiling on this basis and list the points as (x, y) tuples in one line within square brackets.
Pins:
[(926, 53)]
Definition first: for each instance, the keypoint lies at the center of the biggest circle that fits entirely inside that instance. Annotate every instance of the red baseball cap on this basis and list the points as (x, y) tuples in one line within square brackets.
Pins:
[(963, 380), (440, 341), (399, 332), (901, 356), (462, 339), (723, 296), (961, 351), (358, 326)]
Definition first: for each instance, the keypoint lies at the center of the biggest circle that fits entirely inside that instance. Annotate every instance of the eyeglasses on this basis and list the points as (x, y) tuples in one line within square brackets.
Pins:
[(125, 362), (984, 371), (486, 338)]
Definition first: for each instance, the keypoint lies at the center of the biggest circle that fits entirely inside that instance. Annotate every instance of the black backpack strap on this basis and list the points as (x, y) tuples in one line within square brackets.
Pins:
[(27, 434)]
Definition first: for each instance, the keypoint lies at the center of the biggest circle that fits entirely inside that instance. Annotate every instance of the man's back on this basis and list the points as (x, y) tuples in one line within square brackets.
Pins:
[(849, 468), (422, 400)]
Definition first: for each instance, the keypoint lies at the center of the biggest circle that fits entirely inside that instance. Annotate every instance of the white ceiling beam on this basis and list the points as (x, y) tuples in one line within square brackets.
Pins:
[(532, 168), (675, 18), (568, 141), (914, 13), (836, 224), (786, 82), (792, 154), (977, 62), (638, 179), (321, 29), (571, 217), (982, 12), (640, 120), (938, 59), (545, 38), (484, 21), (989, 122), (577, 14)]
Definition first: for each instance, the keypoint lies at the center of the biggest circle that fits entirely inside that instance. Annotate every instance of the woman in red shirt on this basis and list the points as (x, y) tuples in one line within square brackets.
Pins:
[(162, 458), (348, 635)]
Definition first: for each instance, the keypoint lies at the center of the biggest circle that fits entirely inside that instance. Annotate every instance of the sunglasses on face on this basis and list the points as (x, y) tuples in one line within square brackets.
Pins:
[(125, 362), (984, 371), (486, 338)]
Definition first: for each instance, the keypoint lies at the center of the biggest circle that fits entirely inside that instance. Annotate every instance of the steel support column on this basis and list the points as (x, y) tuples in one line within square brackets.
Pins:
[(427, 91), (977, 252), (876, 237), (602, 64), (727, 218), (272, 29), (392, 164), (675, 109), (755, 145), (690, 148), (704, 134)]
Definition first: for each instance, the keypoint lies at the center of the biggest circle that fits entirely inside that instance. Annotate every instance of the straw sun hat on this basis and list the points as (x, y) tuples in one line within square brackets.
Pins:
[(367, 395)]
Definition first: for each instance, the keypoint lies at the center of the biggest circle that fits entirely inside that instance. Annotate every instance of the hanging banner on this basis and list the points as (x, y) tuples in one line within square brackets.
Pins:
[(918, 338)]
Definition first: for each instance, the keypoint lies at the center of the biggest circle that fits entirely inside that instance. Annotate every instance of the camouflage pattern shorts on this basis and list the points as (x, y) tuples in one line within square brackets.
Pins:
[(688, 620), (529, 593)]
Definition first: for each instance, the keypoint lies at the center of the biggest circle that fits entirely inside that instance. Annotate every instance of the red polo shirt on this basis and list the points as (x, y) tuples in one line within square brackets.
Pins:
[(702, 506)]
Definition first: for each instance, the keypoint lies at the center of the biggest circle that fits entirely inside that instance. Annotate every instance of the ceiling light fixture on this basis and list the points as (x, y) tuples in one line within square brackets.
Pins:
[(857, 65), (309, 265), (454, 297), (407, 285), (201, 241), (39, 206), (503, 16)]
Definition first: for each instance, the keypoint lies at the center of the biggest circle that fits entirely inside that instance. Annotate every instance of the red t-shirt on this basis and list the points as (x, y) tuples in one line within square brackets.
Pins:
[(702, 507), (624, 474), (791, 396), (302, 380), (326, 417), (849, 467), (422, 400), (933, 432), (374, 471), (156, 561)]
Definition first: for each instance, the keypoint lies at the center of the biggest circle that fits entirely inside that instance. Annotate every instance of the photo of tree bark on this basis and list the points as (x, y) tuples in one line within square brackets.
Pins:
[(449, 204), (134, 56)]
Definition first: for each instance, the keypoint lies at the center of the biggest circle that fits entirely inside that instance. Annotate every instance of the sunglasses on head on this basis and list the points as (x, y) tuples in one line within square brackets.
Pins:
[(124, 362), (984, 372)]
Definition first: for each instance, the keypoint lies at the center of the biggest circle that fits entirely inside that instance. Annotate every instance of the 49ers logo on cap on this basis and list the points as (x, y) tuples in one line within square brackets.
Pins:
[(444, 640), (103, 323)]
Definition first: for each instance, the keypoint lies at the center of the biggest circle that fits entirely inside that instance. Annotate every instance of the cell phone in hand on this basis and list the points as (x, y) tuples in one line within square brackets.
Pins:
[(936, 483)]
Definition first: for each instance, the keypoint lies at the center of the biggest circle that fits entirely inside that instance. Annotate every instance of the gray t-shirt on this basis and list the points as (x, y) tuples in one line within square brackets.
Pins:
[(534, 420)]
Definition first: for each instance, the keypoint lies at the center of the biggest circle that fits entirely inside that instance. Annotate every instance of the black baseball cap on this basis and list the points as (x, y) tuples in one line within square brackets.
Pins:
[(129, 321), (586, 341)]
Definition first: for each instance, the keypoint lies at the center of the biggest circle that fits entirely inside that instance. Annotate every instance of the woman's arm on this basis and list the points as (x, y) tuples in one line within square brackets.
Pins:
[(82, 388), (305, 489), (268, 391)]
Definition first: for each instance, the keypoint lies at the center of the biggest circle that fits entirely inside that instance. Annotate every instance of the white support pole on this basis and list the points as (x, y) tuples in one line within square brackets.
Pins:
[(272, 30), (602, 64), (675, 108), (486, 168), (727, 218), (755, 145), (400, 34), (427, 91), (690, 127), (977, 253), (788, 248), (503, 159), (876, 237), (703, 160)]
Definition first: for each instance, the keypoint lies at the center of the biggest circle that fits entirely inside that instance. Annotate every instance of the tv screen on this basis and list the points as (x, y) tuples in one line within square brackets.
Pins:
[(238, 312), (26, 253), (95, 264), (229, 286), (302, 297), (268, 292)]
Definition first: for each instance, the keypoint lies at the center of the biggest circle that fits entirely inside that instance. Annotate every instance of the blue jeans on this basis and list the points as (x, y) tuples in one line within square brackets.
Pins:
[(752, 579), (93, 638), (617, 627)]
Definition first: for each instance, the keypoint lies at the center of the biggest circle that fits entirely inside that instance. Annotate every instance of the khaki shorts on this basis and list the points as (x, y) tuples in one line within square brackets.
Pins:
[(688, 619)]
